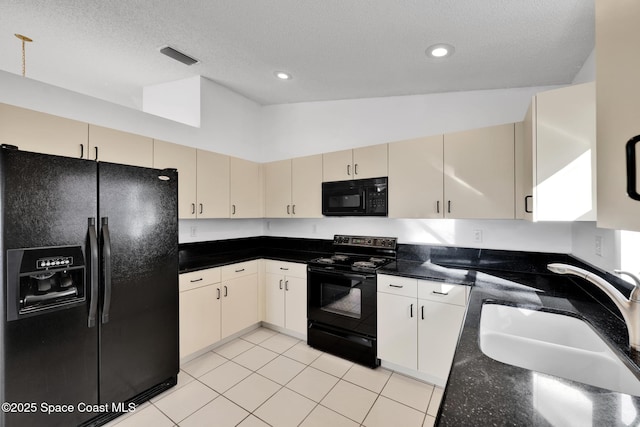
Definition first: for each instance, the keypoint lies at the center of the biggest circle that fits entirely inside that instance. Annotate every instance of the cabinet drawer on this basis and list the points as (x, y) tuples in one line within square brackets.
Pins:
[(397, 285), (293, 269), (197, 279), (443, 292), (238, 270)]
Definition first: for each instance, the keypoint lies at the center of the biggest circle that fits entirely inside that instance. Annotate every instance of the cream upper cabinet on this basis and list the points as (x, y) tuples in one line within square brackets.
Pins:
[(479, 179), (293, 188), (203, 179), (110, 145), (212, 185), (306, 187), (184, 159), (618, 112), (277, 184), (245, 189), (416, 178), (337, 166), (524, 136), (43, 133), (359, 163), (559, 145)]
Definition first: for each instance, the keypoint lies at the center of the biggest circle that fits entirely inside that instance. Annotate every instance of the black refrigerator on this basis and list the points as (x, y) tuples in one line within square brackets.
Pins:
[(90, 288)]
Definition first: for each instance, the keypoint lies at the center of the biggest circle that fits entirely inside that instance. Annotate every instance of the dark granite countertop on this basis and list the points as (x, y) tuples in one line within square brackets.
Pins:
[(482, 391)]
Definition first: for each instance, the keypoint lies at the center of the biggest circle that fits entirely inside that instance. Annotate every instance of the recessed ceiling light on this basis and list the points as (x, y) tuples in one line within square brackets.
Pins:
[(282, 75), (440, 50)]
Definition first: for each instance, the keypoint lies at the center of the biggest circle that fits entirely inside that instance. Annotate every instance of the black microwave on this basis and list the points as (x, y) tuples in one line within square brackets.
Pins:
[(361, 197)]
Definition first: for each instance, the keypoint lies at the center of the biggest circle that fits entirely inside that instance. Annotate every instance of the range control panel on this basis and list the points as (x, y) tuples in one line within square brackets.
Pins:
[(366, 241), (54, 262)]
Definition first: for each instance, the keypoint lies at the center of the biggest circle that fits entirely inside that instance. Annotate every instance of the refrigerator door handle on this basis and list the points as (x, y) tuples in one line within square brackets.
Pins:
[(93, 301), (106, 254)]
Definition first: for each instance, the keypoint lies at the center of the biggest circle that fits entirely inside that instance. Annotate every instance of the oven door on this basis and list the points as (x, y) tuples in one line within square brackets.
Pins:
[(342, 300)]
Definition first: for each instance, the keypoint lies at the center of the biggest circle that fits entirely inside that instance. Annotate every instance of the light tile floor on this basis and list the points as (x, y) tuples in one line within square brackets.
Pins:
[(265, 378)]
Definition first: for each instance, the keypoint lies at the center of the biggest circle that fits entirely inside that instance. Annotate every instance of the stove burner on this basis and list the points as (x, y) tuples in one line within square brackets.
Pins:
[(364, 264), (377, 260), (339, 257), (325, 260)]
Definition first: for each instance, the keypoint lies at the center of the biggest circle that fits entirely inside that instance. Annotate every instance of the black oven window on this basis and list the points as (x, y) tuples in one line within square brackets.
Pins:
[(342, 300), (350, 201)]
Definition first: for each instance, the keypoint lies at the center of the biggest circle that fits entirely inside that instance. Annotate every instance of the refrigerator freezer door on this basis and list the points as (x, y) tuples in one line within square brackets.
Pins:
[(50, 357), (139, 334)]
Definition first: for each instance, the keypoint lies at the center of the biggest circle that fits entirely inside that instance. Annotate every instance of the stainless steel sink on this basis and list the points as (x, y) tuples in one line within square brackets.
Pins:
[(554, 344)]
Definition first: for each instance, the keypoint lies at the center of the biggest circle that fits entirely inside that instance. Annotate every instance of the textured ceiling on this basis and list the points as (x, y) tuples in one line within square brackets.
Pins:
[(335, 49)]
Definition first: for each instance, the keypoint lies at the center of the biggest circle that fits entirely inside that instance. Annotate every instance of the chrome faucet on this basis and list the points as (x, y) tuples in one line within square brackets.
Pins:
[(629, 307)]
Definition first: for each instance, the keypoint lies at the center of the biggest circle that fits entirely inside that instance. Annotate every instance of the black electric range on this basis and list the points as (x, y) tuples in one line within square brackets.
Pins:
[(342, 300)]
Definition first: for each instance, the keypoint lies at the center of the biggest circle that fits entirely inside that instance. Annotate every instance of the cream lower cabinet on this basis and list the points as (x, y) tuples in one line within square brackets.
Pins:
[(418, 324), (114, 146), (43, 133), (479, 173), (199, 310), (286, 295), (239, 296)]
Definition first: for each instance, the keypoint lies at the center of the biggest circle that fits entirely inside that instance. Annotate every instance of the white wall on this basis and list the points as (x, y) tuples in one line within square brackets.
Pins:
[(496, 234), (229, 121), (234, 125), (585, 236), (178, 100), (292, 130)]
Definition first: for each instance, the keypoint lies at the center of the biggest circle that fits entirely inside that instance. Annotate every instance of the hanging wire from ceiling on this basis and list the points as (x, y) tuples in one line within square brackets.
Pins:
[(24, 39)]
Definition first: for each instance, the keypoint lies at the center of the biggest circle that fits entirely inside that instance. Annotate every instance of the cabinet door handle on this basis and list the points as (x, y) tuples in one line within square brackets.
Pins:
[(396, 286), (526, 204), (632, 191), (196, 280), (449, 206), (349, 170), (440, 293), (240, 271), (233, 209), (201, 208), (82, 151), (286, 285), (193, 208), (355, 169), (218, 289), (280, 284), (438, 206), (284, 268), (96, 154), (293, 209), (411, 310), (422, 309), (288, 210), (226, 291)]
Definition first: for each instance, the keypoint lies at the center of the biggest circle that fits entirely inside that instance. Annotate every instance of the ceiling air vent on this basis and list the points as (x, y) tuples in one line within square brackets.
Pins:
[(178, 56)]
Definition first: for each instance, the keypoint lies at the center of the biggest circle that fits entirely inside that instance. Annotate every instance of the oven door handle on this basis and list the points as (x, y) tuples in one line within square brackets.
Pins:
[(342, 274)]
